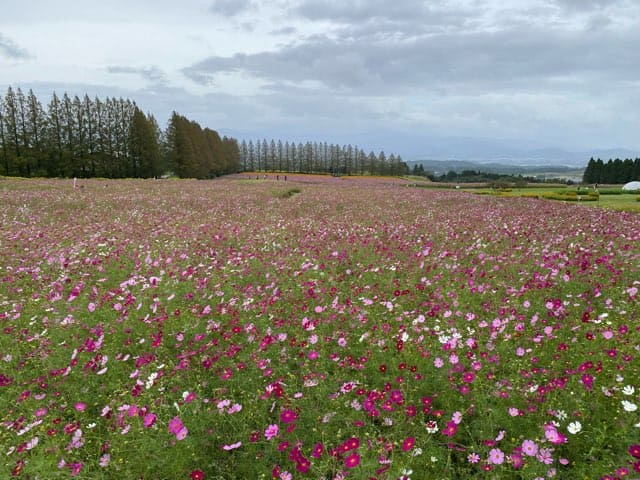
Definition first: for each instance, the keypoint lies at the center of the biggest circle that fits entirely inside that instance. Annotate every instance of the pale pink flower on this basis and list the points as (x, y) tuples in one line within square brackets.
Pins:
[(496, 456), (271, 432)]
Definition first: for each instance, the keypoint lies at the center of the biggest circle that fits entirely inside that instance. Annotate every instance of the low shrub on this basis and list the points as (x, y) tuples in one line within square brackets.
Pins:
[(290, 192)]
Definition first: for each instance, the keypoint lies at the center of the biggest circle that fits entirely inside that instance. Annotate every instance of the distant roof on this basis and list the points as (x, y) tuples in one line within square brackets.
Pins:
[(632, 186)]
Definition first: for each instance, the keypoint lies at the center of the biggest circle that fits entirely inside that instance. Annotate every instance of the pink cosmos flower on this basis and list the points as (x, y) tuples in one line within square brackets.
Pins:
[(496, 456), (530, 448), (75, 468), (456, 417), (177, 428), (553, 435), (544, 456), (473, 457), (149, 419), (516, 461), (271, 432), (408, 443), (188, 397), (287, 416), (450, 429), (352, 460), (232, 446), (317, 450)]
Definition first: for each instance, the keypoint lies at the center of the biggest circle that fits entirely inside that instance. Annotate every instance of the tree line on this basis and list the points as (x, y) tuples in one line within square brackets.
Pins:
[(111, 138), (317, 157), (614, 171)]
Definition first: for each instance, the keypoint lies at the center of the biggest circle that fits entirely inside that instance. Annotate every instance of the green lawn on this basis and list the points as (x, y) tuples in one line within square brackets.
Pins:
[(607, 199)]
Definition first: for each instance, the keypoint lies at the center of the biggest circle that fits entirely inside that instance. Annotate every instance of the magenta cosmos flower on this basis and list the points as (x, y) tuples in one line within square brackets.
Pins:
[(177, 428), (352, 460), (288, 416)]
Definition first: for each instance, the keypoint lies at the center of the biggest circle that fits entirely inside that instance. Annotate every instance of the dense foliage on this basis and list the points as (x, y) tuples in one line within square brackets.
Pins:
[(349, 329), (113, 138), (614, 171), (314, 157), (194, 152), (473, 176)]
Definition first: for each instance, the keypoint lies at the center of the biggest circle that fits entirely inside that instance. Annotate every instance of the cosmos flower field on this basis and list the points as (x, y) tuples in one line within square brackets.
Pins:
[(253, 329)]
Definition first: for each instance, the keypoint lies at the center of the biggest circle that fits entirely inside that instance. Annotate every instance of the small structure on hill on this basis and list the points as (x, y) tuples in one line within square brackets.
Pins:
[(631, 186)]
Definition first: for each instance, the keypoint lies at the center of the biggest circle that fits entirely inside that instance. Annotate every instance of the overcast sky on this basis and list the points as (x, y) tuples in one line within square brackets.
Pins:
[(401, 75)]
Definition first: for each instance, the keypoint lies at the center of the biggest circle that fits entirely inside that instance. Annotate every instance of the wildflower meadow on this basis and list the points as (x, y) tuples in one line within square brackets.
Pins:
[(254, 329)]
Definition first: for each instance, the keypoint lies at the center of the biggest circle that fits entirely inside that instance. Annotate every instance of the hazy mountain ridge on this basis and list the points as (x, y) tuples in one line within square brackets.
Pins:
[(494, 153), (503, 151), (440, 167)]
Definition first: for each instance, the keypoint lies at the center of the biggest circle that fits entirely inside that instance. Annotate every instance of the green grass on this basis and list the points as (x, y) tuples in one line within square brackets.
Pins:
[(618, 201)]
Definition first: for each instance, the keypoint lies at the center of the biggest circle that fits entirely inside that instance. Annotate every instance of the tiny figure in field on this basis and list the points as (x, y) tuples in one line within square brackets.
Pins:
[(277, 178), (285, 178)]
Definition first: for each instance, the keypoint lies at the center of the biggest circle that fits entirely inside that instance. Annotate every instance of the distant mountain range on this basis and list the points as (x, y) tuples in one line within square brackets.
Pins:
[(487, 150), (440, 167), (495, 152)]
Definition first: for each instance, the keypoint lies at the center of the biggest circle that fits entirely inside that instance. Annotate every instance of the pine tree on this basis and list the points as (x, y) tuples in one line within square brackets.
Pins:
[(251, 156), (3, 139), (280, 150), (54, 137), (589, 172), (144, 146), (14, 145), (37, 125)]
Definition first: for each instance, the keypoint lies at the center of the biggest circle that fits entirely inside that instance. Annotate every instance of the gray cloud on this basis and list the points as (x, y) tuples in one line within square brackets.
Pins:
[(284, 31), (384, 19), (11, 50), (152, 74), (229, 8), (530, 58), (536, 71), (359, 10), (587, 5)]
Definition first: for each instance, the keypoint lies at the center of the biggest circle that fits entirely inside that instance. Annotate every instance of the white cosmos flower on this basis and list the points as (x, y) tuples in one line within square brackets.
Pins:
[(628, 390), (574, 427), (629, 406), (561, 415), (416, 451), (432, 427)]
